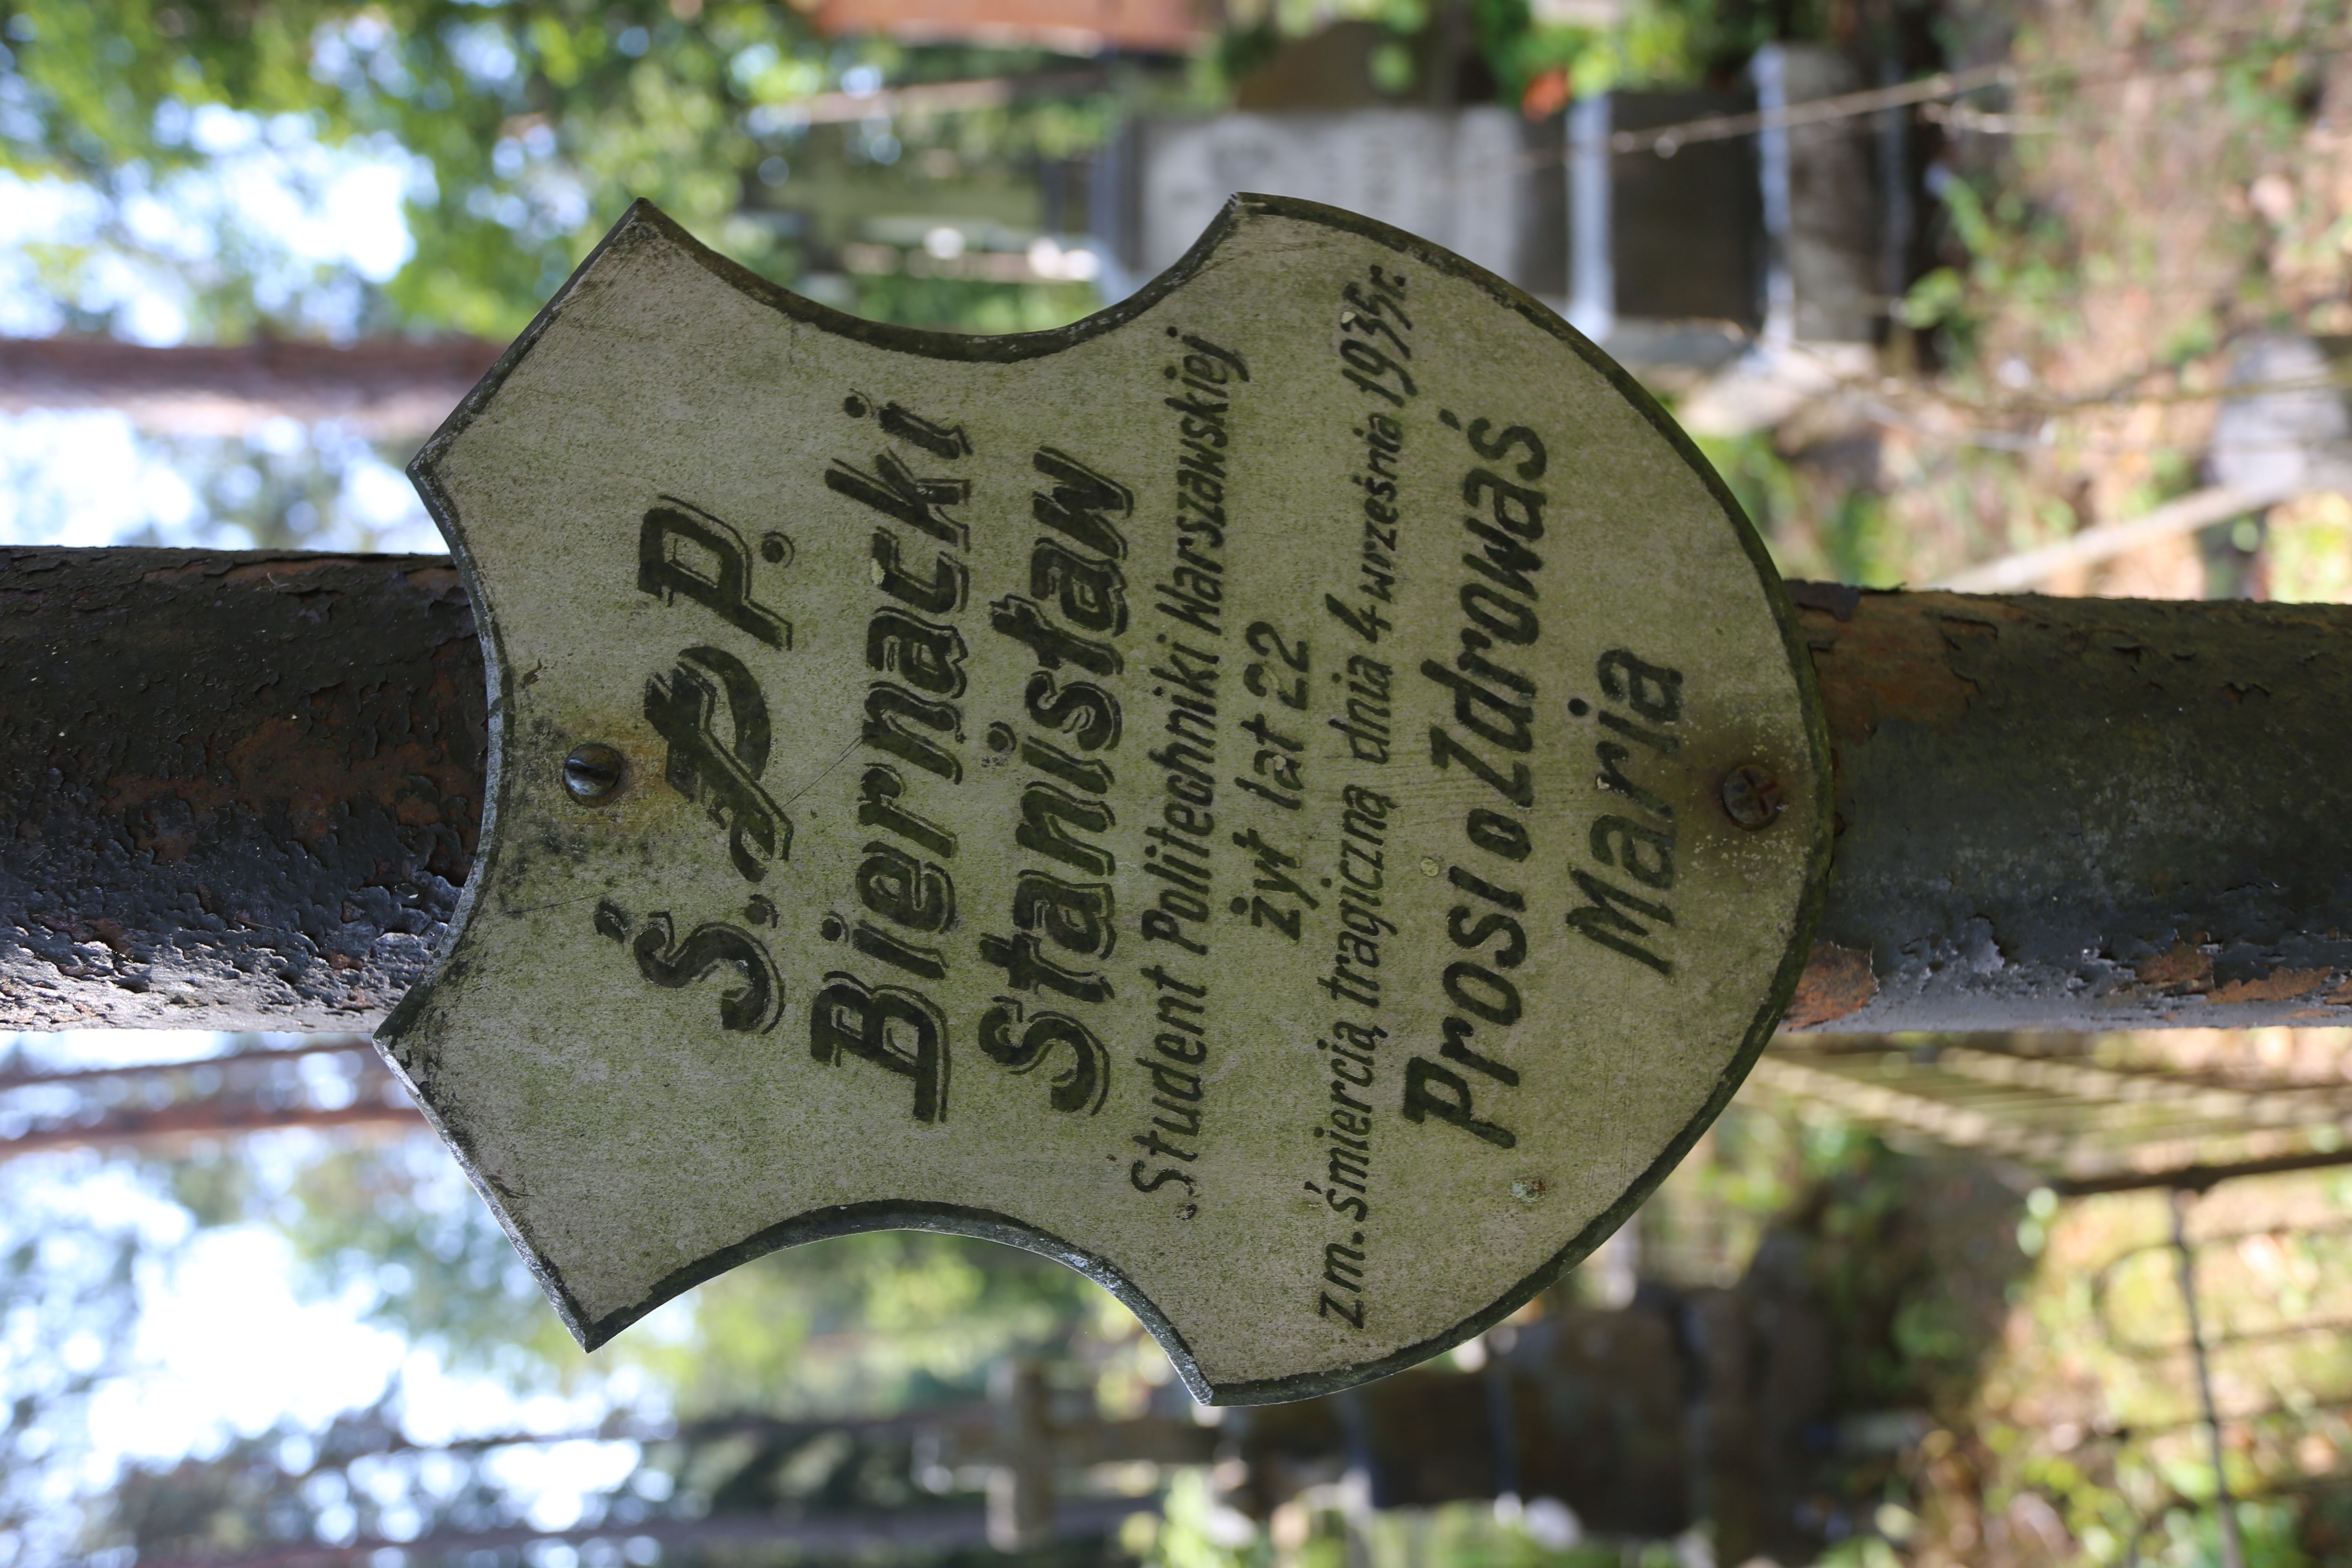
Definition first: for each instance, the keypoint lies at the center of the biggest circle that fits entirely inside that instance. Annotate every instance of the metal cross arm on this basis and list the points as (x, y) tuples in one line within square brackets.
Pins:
[(243, 791), (1299, 796)]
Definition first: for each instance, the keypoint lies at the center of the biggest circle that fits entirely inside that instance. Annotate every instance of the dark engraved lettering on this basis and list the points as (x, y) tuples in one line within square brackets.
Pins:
[(1046, 816), (950, 580), (1350, 1312), (1506, 561), (1086, 773), (1665, 745), (1515, 508), (925, 963), (1604, 919), (1025, 622), (909, 892), (1445, 751), (682, 710), (1471, 883), (1371, 322), (1472, 660), (939, 440), (1366, 623), (1457, 1049), (1267, 916), (1614, 777), (1159, 1178), (1026, 968), (1630, 839), (1381, 303), (750, 1008), (926, 656), (1082, 503), (1491, 718), (1474, 988), (1530, 467), (1268, 643), (880, 789), (1440, 1091), (1370, 368), (726, 589), (1497, 833), (1343, 1265), (1653, 691), (1083, 712), (1077, 916), (888, 710), (1091, 593), (1081, 1085), (1514, 949), (895, 490), (893, 1027), (1506, 618)]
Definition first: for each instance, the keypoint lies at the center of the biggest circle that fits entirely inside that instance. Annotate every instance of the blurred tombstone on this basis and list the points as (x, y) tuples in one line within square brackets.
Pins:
[(2285, 430), (1823, 248), (1665, 255), (1819, 203), (1754, 256), (1462, 177), (2286, 426)]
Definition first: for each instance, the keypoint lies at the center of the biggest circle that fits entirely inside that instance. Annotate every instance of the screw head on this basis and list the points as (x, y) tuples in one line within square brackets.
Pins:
[(1751, 797), (593, 773)]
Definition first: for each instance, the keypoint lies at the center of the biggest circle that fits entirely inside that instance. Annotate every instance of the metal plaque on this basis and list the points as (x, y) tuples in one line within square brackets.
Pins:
[(1297, 795)]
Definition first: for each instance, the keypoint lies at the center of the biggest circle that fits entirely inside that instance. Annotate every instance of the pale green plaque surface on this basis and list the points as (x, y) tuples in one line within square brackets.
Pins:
[(1232, 794)]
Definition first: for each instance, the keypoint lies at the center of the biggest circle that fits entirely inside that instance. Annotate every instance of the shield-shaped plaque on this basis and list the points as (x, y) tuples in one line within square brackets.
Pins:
[(1297, 795)]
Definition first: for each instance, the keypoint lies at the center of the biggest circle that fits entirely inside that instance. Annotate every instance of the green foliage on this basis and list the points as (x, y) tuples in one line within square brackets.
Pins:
[(395, 1221), (1658, 42), (872, 1323), (1195, 1530), (531, 124), (955, 304)]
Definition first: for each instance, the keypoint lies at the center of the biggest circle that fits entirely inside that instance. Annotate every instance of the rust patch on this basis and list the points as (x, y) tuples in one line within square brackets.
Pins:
[(1891, 657), (313, 769), (1837, 982), (2183, 966), (442, 582), (2280, 985)]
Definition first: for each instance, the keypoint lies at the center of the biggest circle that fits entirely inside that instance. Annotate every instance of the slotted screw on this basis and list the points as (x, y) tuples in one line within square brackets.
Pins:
[(1751, 797), (593, 773)]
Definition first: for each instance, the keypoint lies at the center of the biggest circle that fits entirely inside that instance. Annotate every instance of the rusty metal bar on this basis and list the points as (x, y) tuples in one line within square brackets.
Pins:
[(242, 791), (2083, 814)]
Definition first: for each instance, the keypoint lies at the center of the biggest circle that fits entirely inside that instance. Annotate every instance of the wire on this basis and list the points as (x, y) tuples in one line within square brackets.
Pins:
[(1665, 140)]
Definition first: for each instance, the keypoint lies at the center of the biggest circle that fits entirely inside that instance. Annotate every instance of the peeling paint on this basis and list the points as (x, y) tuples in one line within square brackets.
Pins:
[(2183, 968), (2286, 986), (1837, 982), (1876, 668), (2064, 814)]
